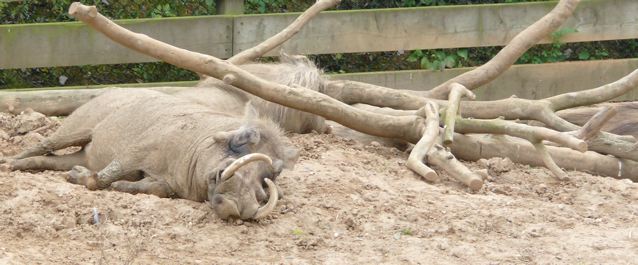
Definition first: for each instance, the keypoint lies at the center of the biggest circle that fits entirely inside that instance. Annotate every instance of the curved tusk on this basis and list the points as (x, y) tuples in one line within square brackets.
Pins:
[(233, 167), (272, 201)]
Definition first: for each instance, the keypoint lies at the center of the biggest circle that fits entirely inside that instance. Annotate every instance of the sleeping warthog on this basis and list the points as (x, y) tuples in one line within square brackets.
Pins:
[(143, 141), (291, 71)]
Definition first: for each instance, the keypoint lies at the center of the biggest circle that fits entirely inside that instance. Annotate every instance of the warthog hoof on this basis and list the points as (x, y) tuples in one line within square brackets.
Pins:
[(82, 176), (6, 164)]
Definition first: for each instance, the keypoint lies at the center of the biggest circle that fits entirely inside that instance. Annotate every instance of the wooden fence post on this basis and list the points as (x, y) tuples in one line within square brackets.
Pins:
[(230, 7)]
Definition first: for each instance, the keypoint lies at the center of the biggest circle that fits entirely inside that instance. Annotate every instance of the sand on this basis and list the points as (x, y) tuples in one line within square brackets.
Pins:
[(345, 203)]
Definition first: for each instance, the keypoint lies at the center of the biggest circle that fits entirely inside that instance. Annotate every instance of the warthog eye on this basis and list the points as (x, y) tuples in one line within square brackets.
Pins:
[(241, 142)]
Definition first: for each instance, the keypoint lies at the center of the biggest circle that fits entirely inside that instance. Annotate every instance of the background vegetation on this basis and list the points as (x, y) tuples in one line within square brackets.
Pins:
[(39, 11)]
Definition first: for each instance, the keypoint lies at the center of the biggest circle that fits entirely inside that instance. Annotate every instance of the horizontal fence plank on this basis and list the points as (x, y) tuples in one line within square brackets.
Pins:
[(533, 81), (73, 43), (434, 27), (66, 44)]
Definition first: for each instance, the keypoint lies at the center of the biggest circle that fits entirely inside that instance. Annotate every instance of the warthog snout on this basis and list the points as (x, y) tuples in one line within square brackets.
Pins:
[(233, 195)]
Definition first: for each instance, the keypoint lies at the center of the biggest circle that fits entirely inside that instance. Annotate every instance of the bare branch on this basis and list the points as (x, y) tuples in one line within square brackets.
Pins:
[(549, 162), (281, 37), (422, 148), (593, 126), (353, 92), (595, 95), (475, 147), (530, 133), (510, 53), (542, 110), (408, 128), (442, 158), (56, 102), (451, 113)]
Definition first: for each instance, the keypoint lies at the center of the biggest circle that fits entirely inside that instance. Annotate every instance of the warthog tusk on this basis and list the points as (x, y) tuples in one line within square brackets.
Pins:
[(272, 201), (233, 167)]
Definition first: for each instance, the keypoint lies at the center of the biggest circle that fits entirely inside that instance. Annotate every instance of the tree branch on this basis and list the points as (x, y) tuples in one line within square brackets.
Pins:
[(281, 37), (408, 128), (512, 51), (442, 158), (475, 147), (593, 126), (549, 162), (422, 148), (452, 110), (531, 133)]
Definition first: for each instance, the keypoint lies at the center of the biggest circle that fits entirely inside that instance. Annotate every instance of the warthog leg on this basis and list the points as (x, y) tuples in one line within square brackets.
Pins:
[(83, 176), (57, 142), (147, 185), (115, 171), (62, 162)]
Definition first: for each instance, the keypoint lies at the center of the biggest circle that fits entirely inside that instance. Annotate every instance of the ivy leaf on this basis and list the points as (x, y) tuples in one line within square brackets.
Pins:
[(584, 55), (210, 3), (262, 7), (414, 56), (425, 63), (463, 53), (449, 61)]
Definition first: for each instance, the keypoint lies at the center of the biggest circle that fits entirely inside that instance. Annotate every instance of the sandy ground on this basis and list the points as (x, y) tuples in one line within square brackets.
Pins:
[(345, 203)]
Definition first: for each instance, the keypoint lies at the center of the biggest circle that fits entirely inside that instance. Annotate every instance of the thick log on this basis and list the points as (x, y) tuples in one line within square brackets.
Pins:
[(56, 102), (475, 147)]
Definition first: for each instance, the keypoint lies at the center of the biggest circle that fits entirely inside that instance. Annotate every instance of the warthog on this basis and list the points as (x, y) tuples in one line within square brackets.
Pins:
[(142, 141), (291, 71)]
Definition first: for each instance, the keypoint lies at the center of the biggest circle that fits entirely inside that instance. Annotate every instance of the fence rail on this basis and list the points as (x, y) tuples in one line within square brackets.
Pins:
[(72, 43), (532, 81)]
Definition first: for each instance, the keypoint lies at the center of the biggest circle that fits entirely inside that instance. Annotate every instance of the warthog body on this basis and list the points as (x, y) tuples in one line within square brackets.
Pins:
[(291, 71), (141, 141)]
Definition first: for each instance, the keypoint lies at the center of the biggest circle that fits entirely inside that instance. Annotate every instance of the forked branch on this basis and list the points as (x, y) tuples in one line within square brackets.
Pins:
[(444, 159), (549, 162), (456, 93), (512, 51), (281, 37), (542, 110), (593, 126), (475, 147), (422, 148), (408, 128)]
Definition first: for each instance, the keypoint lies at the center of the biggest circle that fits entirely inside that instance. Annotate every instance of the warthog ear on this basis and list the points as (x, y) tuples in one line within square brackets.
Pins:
[(245, 137)]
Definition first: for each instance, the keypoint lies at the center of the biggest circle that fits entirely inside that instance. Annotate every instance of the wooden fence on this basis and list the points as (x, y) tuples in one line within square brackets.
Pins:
[(67, 44)]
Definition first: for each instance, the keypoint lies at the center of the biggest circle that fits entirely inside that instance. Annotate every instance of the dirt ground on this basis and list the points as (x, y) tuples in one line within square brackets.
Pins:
[(345, 203)]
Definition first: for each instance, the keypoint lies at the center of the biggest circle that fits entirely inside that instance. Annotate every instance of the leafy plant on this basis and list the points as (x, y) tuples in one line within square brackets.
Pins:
[(297, 232), (439, 59)]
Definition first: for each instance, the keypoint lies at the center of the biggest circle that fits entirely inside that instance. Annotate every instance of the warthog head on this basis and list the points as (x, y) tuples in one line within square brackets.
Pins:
[(256, 154)]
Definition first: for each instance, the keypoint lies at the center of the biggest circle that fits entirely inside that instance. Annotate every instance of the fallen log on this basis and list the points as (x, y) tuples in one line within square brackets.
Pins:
[(474, 147)]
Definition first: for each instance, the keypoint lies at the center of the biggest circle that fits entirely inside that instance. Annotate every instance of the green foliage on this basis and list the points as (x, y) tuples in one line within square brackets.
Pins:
[(406, 232), (297, 232), (94, 75), (38, 11), (34, 11), (439, 59)]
